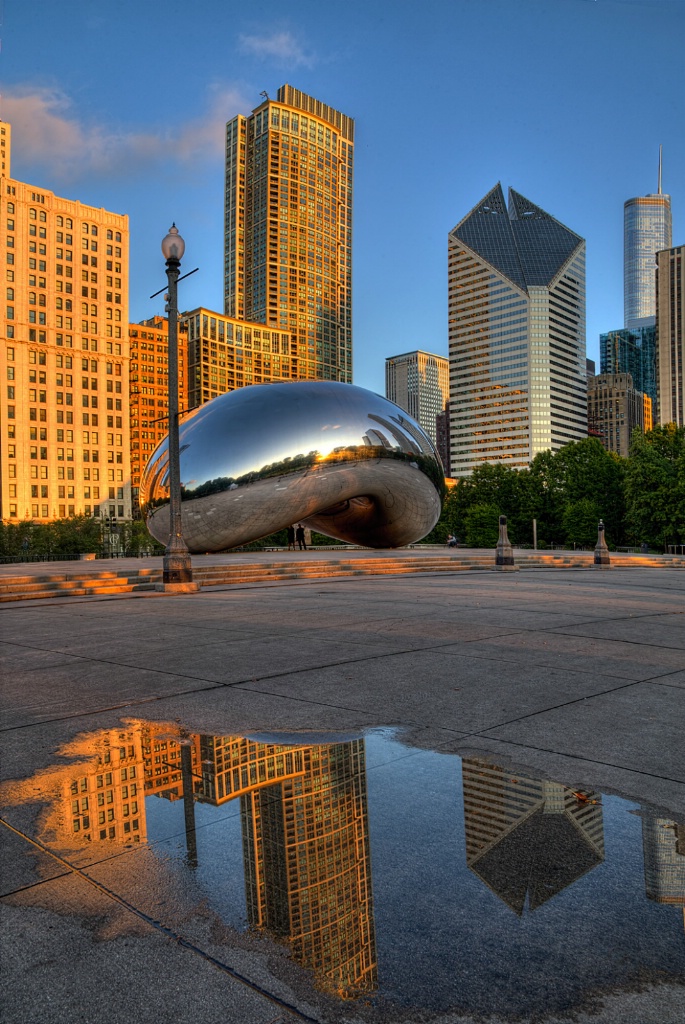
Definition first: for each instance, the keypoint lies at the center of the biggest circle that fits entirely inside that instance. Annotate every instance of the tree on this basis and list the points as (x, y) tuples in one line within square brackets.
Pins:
[(490, 484), (482, 526), (655, 486), (580, 520), (543, 497), (582, 473)]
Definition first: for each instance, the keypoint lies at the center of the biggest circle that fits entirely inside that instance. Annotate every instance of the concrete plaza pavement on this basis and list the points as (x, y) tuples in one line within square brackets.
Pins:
[(576, 675)]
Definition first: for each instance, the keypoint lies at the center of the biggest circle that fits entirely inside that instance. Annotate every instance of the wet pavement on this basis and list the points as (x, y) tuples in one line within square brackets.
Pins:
[(417, 799)]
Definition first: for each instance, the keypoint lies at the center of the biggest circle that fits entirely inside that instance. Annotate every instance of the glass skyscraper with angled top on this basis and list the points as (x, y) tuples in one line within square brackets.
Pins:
[(288, 230), (516, 334), (646, 230)]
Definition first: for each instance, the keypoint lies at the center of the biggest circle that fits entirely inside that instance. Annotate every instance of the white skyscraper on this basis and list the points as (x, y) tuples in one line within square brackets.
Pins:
[(419, 383), (516, 334)]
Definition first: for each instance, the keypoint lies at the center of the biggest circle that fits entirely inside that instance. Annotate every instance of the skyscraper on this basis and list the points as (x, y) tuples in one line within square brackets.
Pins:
[(225, 353), (288, 228), (419, 383), (516, 334), (306, 848), (64, 355), (308, 865), (646, 230), (670, 330), (615, 408)]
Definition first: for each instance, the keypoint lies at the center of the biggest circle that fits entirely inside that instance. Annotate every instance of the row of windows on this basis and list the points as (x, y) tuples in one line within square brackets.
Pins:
[(62, 511), (62, 221), (36, 356)]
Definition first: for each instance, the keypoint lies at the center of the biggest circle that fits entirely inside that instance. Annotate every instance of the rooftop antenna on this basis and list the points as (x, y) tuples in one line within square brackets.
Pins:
[(659, 193), (264, 94)]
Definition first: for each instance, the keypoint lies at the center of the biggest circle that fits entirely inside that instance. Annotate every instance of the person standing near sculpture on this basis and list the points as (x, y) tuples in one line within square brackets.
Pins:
[(291, 538), (299, 536)]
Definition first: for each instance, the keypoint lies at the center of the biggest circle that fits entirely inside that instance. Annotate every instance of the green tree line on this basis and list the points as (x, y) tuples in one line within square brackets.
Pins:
[(641, 499), (72, 536)]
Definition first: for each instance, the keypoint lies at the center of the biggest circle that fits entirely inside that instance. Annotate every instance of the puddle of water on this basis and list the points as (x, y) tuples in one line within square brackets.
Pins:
[(417, 878)]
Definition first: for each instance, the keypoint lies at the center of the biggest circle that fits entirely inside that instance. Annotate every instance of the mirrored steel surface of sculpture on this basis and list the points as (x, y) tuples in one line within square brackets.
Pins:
[(336, 458)]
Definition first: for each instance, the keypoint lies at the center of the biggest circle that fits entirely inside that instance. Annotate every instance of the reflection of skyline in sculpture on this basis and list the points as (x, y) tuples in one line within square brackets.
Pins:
[(306, 849), (663, 844), (527, 838)]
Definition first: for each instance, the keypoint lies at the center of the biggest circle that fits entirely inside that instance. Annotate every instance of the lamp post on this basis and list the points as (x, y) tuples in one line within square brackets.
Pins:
[(177, 567)]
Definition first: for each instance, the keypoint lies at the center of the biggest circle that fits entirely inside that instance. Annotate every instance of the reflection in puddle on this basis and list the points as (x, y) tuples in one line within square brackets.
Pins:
[(492, 889), (528, 838)]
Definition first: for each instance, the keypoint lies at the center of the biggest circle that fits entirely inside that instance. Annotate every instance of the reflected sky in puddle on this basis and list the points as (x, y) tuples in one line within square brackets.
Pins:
[(415, 877)]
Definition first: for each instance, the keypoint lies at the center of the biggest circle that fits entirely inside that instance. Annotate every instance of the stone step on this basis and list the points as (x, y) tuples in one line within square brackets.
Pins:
[(77, 591), (79, 584)]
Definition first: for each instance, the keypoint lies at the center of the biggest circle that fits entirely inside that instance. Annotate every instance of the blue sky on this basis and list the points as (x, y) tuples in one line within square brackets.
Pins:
[(122, 105)]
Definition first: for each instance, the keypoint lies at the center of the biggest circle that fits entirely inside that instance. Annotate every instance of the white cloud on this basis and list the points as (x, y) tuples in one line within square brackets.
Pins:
[(282, 47), (46, 131)]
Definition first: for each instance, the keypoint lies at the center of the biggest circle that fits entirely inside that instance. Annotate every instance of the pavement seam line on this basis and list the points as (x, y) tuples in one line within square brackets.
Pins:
[(575, 757), (613, 639), (169, 933), (499, 725), (565, 704)]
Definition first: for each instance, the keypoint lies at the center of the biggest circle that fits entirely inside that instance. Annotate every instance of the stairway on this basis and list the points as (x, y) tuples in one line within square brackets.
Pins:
[(127, 580), (76, 584)]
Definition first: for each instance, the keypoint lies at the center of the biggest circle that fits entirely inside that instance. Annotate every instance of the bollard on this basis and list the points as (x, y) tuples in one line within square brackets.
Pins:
[(504, 555), (602, 558)]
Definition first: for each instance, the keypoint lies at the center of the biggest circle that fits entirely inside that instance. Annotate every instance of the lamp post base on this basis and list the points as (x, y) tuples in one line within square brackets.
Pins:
[(177, 566), (177, 588)]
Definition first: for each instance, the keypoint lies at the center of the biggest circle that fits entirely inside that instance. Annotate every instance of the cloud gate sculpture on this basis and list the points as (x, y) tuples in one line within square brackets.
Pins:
[(336, 458)]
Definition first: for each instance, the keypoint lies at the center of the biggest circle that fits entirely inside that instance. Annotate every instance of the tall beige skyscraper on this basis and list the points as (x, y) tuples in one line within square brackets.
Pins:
[(288, 229), (64, 355), (670, 335), (419, 382), (516, 334)]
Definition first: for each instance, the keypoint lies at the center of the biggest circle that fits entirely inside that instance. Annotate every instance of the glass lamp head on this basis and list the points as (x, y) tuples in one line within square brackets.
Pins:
[(173, 245)]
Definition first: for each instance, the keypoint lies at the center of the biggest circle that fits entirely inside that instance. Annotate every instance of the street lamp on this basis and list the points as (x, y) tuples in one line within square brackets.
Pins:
[(177, 567)]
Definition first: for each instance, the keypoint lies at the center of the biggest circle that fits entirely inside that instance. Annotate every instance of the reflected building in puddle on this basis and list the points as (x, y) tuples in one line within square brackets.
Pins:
[(306, 849), (528, 839), (663, 844), (97, 799), (304, 820), (305, 835)]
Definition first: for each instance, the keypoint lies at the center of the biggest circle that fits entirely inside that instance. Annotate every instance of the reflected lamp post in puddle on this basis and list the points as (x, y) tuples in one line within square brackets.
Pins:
[(189, 803)]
